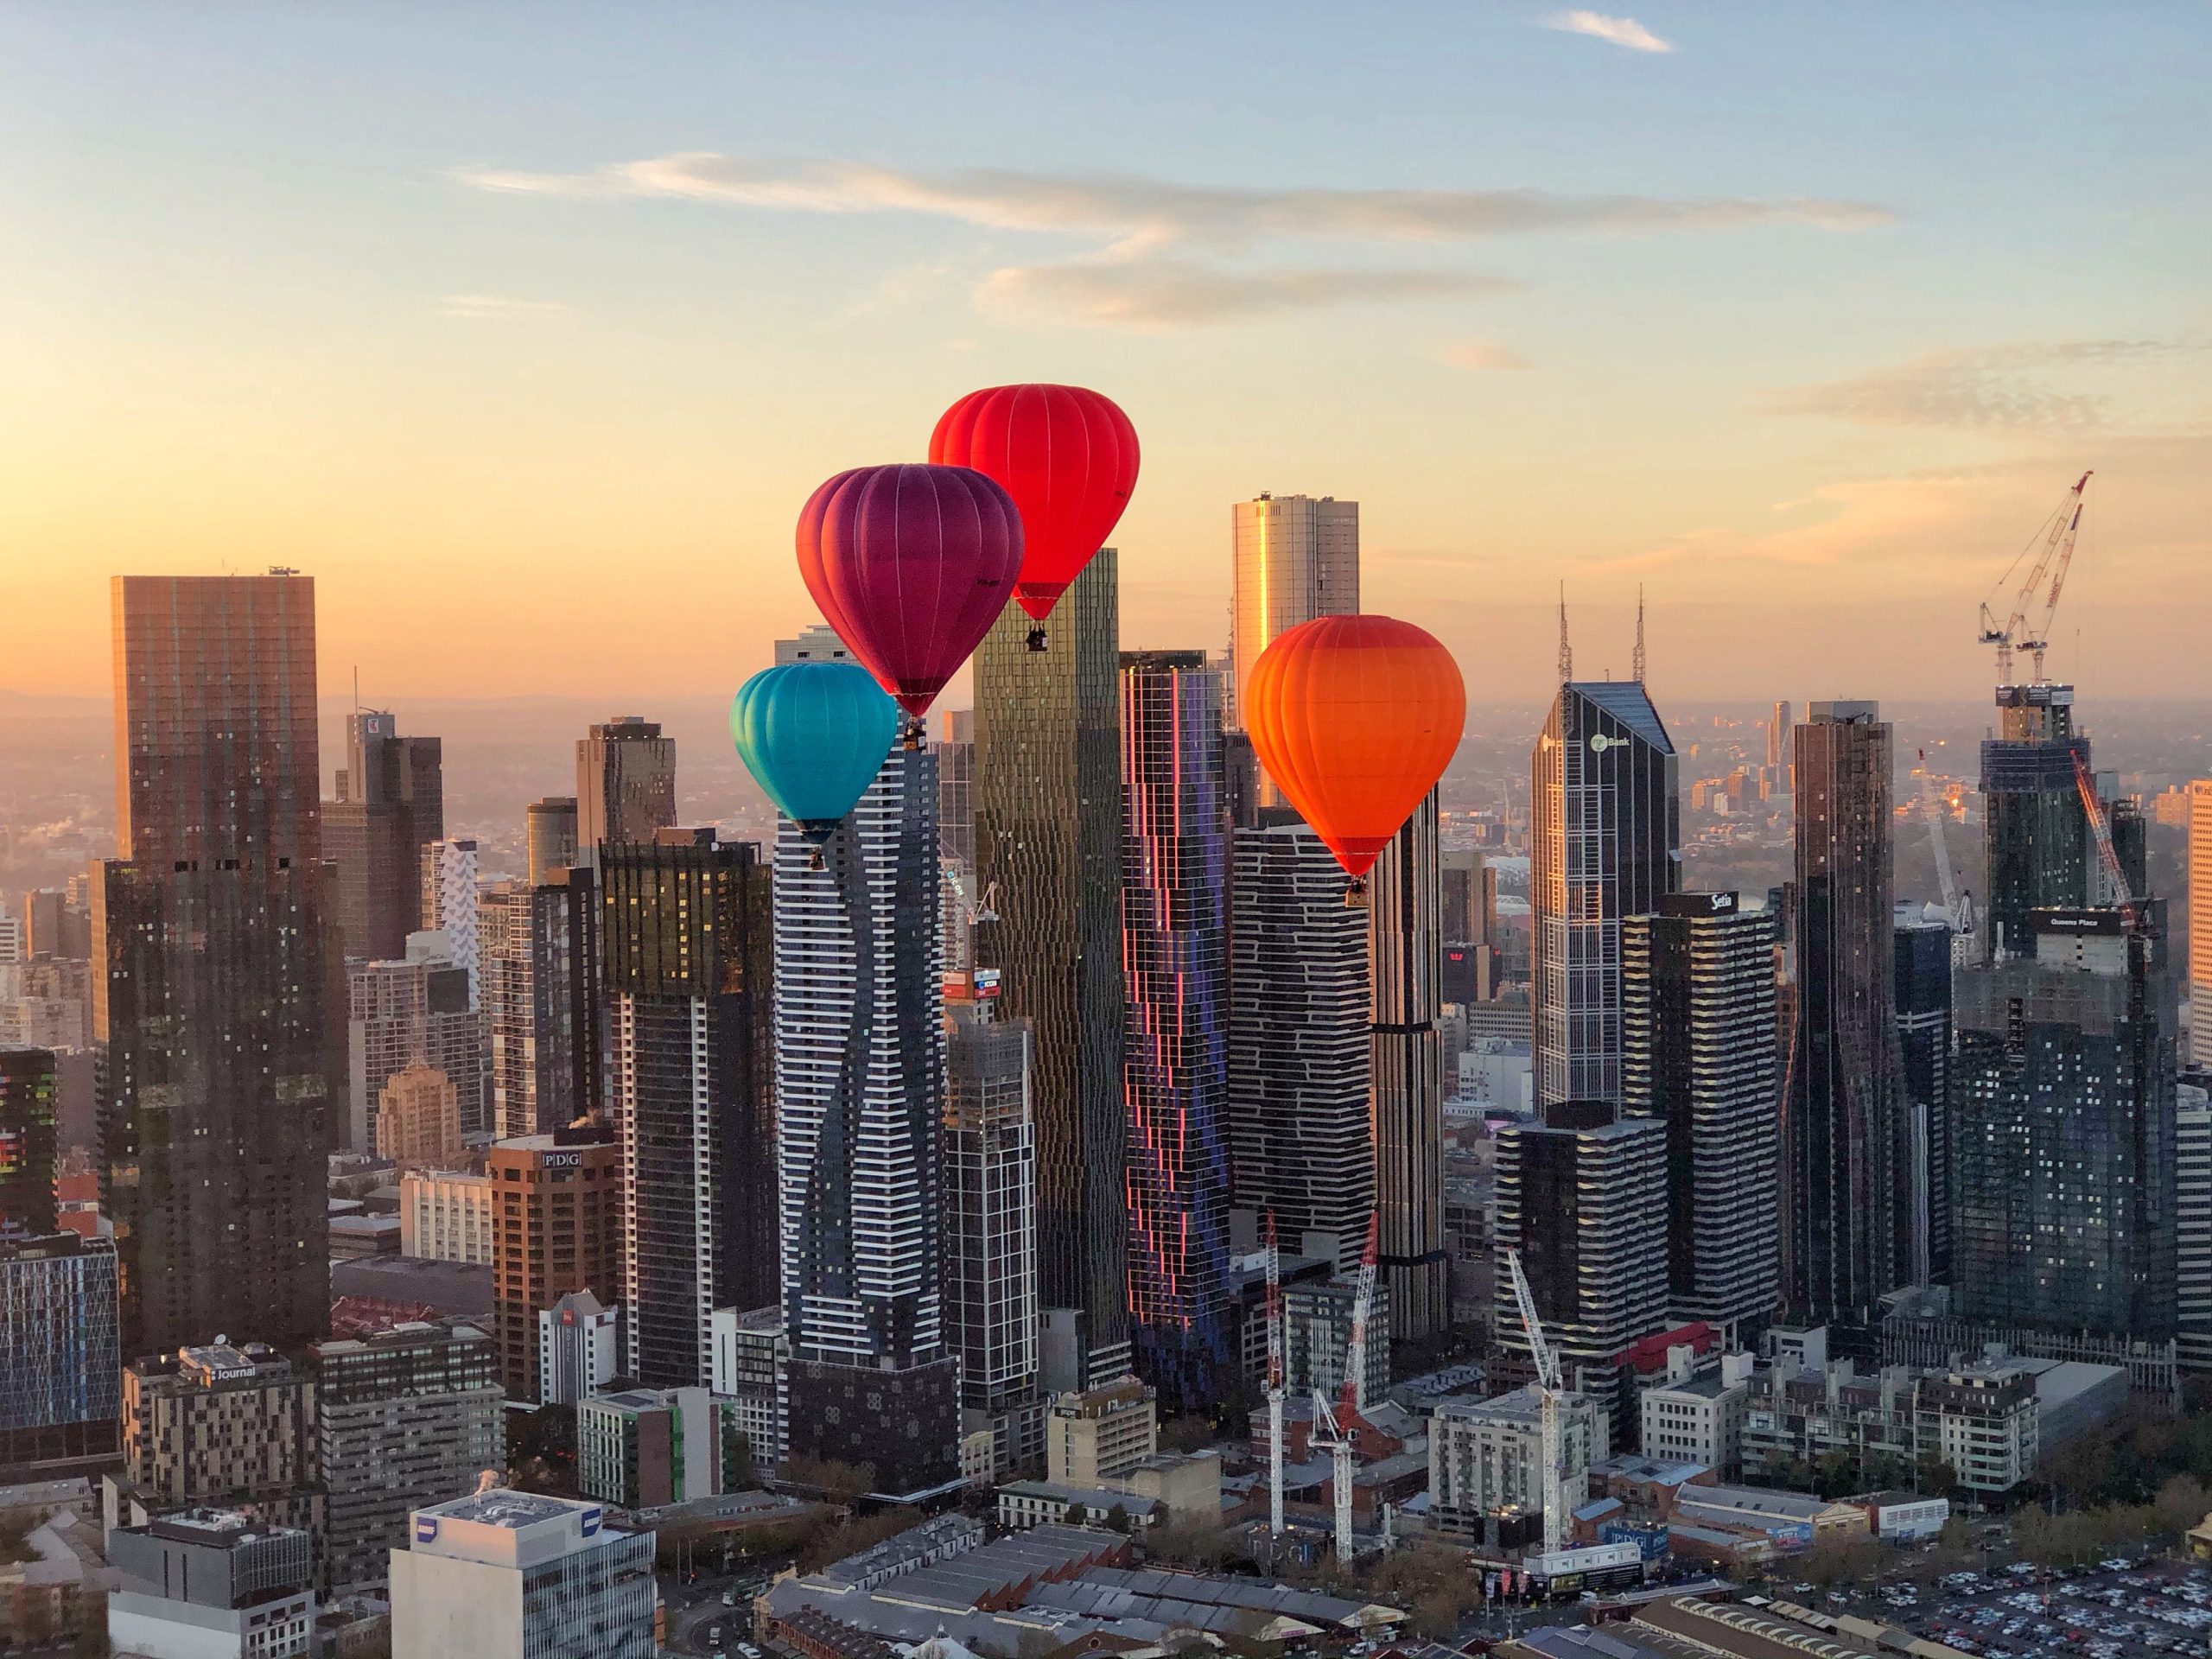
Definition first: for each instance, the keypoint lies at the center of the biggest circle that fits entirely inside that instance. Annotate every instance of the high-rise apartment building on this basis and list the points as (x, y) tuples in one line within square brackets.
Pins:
[(955, 809), (412, 1011), (991, 1220), (1605, 843), (1175, 959), (217, 988), (449, 902), (2193, 1222), (61, 1396), (579, 1349), (686, 949), (1292, 558), (2200, 922), (541, 1004), (232, 1422), (418, 1119), (549, 831), (1697, 1020), (390, 802), (1300, 1137), (55, 925), (29, 1142), (860, 1098), (1846, 1219), (626, 785), (2065, 1183), (1047, 793), (402, 1418), (558, 1208), (1406, 1073), (1922, 967)]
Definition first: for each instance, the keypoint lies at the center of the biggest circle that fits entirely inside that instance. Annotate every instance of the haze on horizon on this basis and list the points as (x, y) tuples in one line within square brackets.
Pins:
[(528, 342)]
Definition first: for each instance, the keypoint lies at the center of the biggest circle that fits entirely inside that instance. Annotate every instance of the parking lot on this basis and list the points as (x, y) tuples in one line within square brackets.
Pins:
[(2107, 1610)]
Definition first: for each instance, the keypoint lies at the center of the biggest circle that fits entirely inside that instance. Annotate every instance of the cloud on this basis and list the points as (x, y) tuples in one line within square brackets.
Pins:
[(498, 307), (1484, 355), (1985, 388), (1621, 31), (1158, 294)]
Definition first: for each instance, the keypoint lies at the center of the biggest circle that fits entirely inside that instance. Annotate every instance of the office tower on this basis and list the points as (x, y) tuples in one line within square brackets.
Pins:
[(449, 905), (1294, 557), (990, 1219), (212, 1581), (231, 1422), (1175, 957), (1582, 1196), (55, 925), (2200, 922), (817, 644), (2040, 848), (402, 1418), (540, 948), (558, 1211), (687, 953), (2192, 1222), (411, 1011), (1847, 1235), (579, 1349), (1406, 1073), (61, 1394), (1605, 843), (1047, 793), (647, 1448), (1697, 1053), (217, 989), (28, 1142), (626, 785), (390, 802), (860, 1100), (418, 1119), (1922, 963), (1302, 1145), (448, 1215), (511, 1575), (1777, 736), (2063, 1139), (955, 812), (550, 826)]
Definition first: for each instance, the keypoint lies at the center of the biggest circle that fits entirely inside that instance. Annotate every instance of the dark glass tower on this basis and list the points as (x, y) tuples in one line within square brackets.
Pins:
[(1405, 1074), (218, 987), (1047, 793), (29, 1142), (1847, 1235), (1924, 1003), (1605, 843), (689, 972), (2040, 849), (625, 784), (391, 801), (1174, 1066)]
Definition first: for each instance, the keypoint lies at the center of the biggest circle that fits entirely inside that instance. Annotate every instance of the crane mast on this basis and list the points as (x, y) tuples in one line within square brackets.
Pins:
[(1958, 905), (1547, 1393), (2022, 631), (2092, 808), (1274, 1382), (1335, 1427)]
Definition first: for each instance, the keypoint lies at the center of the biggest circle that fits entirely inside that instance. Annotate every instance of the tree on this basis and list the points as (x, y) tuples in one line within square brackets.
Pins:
[(1936, 1478), (542, 1451), (840, 1483), (1077, 1515), (1117, 1520)]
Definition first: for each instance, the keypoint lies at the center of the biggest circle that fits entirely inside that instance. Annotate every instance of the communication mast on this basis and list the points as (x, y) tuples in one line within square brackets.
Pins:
[(2027, 622)]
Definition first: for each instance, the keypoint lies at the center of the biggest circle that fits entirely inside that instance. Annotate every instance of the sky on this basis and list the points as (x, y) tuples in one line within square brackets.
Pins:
[(527, 329)]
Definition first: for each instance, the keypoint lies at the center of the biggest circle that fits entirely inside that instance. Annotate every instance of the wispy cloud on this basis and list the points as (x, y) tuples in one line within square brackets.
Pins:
[(1482, 356), (1985, 388), (1163, 293), (1620, 31), (499, 307)]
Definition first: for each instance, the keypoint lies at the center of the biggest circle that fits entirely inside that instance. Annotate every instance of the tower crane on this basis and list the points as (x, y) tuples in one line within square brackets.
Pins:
[(1336, 1428), (1958, 905), (2027, 622), (2092, 808), (1274, 1382), (1549, 1389)]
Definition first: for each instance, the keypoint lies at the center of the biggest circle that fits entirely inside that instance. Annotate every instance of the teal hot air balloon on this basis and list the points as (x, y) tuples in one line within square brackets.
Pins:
[(815, 735)]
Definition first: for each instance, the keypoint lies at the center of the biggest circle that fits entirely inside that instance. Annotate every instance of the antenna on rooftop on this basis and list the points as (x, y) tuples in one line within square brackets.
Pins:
[(1565, 651), (1636, 667)]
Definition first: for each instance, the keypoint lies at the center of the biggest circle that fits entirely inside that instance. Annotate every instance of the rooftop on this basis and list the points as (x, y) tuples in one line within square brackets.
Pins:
[(501, 1507)]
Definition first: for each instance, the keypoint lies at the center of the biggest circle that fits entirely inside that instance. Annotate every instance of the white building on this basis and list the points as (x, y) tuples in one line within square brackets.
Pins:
[(510, 1575), (1488, 1456), (449, 903), (1906, 1517), (579, 1348), (2193, 1214), (1699, 1419), (212, 1584), (749, 1364), (445, 1215)]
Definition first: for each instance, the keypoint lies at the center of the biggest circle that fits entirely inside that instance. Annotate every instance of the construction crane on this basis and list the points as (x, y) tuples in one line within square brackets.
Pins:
[(2092, 808), (1336, 1428), (2027, 621), (1958, 905), (1274, 1382), (1549, 1389)]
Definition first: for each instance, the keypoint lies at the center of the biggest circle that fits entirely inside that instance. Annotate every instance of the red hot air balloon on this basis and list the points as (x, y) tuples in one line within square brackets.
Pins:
[(911, 565), (1069, 458), (1355, 718)]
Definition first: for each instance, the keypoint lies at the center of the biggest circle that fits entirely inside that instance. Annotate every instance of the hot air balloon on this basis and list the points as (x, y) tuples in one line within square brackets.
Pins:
[(1069, 458), (1355, 718), (813, 736), (911, 565)]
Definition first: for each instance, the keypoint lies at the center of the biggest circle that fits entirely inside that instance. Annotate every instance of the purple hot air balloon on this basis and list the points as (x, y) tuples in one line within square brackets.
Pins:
[(911, 564)]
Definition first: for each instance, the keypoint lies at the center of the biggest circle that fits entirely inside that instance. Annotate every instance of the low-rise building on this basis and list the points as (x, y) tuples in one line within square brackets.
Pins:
[(445, 1215), (1792, 1519), (1982, 1421), (209, 1584), (1699, 1419), (1026, 1504), (1101, 1432), (646, 1447), (1904, 1517)]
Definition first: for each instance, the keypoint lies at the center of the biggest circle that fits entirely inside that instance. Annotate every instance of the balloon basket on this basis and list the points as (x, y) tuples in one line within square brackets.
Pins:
[(814, 860), (1037, 640), (912, 737), (1356, 894)]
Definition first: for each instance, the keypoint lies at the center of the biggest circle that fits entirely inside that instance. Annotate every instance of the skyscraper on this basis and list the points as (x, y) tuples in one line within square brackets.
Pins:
[(1846, 1236), (1301, 1144), (1605, 843), (418, 1119), (390, 800), (449, 901), (955, 749), (626, 785), (540, 948), (1697, 1022), (860, 1098), (2200, 922), (1047, 793), (1777, 735), (1175, 957), (1405, 1074), (684, 934), (1922, 965), (2038, 838), (400, 1013), (551, 827), (559, 1206), (60, 1370), (1292, 558), (29, 1142), (216, 987)]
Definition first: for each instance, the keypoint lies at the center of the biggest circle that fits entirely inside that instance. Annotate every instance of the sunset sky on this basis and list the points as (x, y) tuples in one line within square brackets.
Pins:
[(528, 329)]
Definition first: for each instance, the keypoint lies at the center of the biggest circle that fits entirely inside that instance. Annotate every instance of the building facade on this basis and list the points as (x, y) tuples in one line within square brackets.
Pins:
[(2038, 835), (541, 970), (414, 1010), (446, 1215), (1922, 967), (211, 1582), (2193, 1223), (2200, 922), (29, 1141), (449, 906), (559, 1207), (643, 1449), (220, 1422), (1486, 1461), (1292, 558), (391, 801), (1405, 1074), (549, 839), (418, 1119), (579, 1349), (60, 1367), (626, 785)]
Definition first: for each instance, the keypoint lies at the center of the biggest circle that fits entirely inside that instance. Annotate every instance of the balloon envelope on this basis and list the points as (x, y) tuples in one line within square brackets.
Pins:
[(813, 736), (911, 565), (1355, 718), (1067, 455)]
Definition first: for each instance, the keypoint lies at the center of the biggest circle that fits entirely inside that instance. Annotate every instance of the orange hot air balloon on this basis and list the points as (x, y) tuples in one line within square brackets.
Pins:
[(1355, 718)]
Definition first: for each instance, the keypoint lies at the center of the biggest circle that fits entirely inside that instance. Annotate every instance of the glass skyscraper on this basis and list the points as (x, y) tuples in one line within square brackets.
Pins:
[(1292, 558), (2038, 837), (1922, 958), (1405, 1058), (391, 801)]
